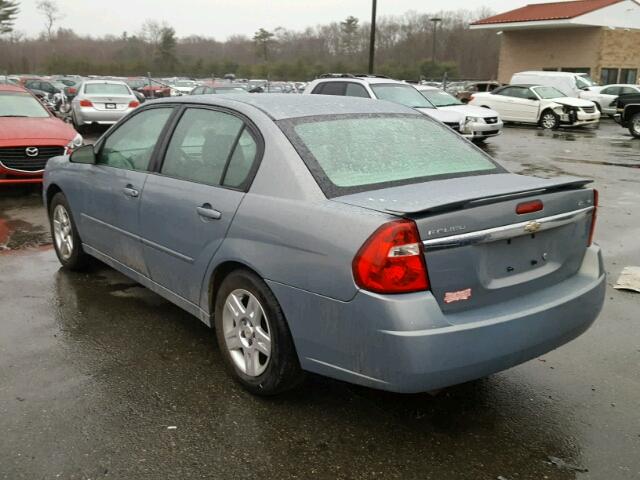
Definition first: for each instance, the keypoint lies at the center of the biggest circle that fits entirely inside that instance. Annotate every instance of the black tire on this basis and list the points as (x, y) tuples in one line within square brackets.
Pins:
[(78, 259), (78, 128), (283, 370), (479, 141), (634, 125), (546, 120)]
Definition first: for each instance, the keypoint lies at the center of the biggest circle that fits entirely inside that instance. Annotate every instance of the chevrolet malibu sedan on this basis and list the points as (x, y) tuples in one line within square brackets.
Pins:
[(547, 107), (102, 102), (353, 238), (29, 136)]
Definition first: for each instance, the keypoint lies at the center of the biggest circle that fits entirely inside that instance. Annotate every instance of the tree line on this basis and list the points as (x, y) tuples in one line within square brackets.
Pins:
[(404, 49)]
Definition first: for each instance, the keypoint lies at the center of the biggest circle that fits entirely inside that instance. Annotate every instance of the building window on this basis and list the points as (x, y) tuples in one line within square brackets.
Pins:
[(629, 75), (609, 76), (550, 69)]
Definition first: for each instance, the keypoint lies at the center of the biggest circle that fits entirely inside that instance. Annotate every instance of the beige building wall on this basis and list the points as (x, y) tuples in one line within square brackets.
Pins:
[(620, 49), (537, 49)]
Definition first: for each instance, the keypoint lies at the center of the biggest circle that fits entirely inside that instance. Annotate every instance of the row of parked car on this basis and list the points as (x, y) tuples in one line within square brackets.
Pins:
[(533, 98)]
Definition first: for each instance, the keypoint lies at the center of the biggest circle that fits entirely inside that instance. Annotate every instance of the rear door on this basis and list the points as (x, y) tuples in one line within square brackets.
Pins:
[(110, 221), (189, 203)]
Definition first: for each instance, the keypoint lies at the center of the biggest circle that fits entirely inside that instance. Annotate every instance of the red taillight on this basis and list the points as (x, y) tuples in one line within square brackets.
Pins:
[(86, 103), (529, 207), (392, 260), (72, 90), (134, 104), (593, 217)]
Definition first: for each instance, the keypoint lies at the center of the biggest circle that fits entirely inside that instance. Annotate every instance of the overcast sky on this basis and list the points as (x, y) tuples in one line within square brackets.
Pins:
[(221, 18)]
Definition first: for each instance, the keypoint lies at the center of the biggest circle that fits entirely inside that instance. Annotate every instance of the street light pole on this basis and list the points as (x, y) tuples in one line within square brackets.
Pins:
[(372, 38), (435, 21)]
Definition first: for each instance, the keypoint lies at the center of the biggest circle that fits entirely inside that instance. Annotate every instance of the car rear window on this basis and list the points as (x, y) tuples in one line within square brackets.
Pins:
[(106, 89), (355, 153)]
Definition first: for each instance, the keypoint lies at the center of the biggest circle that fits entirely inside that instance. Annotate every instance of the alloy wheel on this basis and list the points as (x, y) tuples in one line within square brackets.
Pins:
[(247, 333), (62, 232), (549, 120)]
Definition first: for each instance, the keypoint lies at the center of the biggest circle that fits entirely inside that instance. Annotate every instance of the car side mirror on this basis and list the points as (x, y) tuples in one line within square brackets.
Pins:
[(84, 154)]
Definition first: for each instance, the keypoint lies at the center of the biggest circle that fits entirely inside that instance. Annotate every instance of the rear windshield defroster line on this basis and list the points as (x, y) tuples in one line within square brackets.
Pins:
[(351, 153)]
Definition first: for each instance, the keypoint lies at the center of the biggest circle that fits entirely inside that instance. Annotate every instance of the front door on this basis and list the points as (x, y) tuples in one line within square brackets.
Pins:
[(112, 201), (189, 204)]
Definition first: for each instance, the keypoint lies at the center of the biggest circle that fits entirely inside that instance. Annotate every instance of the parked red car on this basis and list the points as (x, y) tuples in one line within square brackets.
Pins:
[(29, 136)]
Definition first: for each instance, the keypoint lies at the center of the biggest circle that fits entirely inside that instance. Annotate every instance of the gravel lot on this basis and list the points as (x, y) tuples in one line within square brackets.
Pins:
[(100, 378)]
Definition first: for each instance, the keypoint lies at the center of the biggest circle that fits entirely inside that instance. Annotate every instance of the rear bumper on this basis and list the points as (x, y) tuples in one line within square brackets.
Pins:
[(406, 344), (85, 116)]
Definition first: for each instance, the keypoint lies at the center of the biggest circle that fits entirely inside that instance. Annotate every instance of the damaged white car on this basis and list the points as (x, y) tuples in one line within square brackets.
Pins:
[(547, 107)]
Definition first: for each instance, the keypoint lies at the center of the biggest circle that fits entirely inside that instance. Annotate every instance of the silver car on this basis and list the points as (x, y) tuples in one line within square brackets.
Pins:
[(353, 238), (102, 102)]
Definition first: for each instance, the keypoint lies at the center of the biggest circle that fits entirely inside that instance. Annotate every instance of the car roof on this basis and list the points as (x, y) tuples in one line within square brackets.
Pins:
[(104, 81), (281, 106), (370, 80), (549, 73), (5, 87)]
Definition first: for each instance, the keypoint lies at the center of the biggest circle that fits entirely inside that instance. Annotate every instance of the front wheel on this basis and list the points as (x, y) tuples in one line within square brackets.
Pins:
[(549, 120), (66, 240), (253, 335), (634, 125)]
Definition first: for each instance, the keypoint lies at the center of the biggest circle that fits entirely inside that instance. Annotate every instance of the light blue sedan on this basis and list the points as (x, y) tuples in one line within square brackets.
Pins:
[(349, 237)]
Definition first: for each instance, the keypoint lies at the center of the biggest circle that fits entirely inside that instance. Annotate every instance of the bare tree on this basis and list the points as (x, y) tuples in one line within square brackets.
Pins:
[(51, 13), (8, 12)]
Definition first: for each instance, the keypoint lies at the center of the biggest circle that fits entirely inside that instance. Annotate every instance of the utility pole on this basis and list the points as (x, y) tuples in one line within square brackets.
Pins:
[(435, 21), (372, 38)]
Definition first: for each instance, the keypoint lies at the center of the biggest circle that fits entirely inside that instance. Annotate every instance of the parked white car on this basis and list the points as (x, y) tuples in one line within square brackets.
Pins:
[(606, 97), (544, 106), (183, 87), (570, 84), (478, 123), (383, 88)]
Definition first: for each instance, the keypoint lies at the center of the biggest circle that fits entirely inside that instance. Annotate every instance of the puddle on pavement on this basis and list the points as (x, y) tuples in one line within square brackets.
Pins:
[(542, 170), (18, 235)]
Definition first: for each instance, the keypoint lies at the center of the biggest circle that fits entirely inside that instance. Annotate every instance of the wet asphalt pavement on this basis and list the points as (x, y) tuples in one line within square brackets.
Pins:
[(100, 378)]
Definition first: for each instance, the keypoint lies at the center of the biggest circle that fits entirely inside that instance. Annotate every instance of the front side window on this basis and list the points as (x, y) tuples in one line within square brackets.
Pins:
[(130, 147), (20, 104), (106, 89), (400, 93), (353, 153), (201, 146)]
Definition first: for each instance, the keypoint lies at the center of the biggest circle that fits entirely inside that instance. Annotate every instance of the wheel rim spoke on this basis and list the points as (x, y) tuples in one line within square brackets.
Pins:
[(246, 332), (62, 232)]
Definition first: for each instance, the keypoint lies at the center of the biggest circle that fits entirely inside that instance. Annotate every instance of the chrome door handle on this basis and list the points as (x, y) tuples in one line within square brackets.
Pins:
[(207, 211), (130, 191)]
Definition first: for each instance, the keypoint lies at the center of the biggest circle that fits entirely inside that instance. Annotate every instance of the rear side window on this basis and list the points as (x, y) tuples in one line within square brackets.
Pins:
[(330, 88), (354, 153), (201, 146)]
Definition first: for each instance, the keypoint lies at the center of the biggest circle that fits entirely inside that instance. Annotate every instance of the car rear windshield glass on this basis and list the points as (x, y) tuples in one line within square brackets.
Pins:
[(106, 89), (16, 104), (400, 93), (440, 98), (355, 153)]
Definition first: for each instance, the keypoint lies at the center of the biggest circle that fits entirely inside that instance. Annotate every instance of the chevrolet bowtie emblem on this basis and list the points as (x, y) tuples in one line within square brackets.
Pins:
[(532, 227)]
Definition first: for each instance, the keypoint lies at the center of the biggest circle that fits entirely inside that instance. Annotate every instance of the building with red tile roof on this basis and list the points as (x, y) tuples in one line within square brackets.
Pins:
[(598, 37)]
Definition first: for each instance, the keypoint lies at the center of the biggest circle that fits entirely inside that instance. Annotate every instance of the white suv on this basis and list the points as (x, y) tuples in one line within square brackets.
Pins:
[(400, 92)]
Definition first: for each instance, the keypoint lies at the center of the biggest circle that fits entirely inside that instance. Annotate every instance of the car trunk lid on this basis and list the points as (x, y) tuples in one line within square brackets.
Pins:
[(110, 102), (478, 249)]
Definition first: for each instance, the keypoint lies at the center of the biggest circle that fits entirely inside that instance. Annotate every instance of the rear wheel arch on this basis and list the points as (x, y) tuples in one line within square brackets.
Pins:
[(630, 111), (221, 272)]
